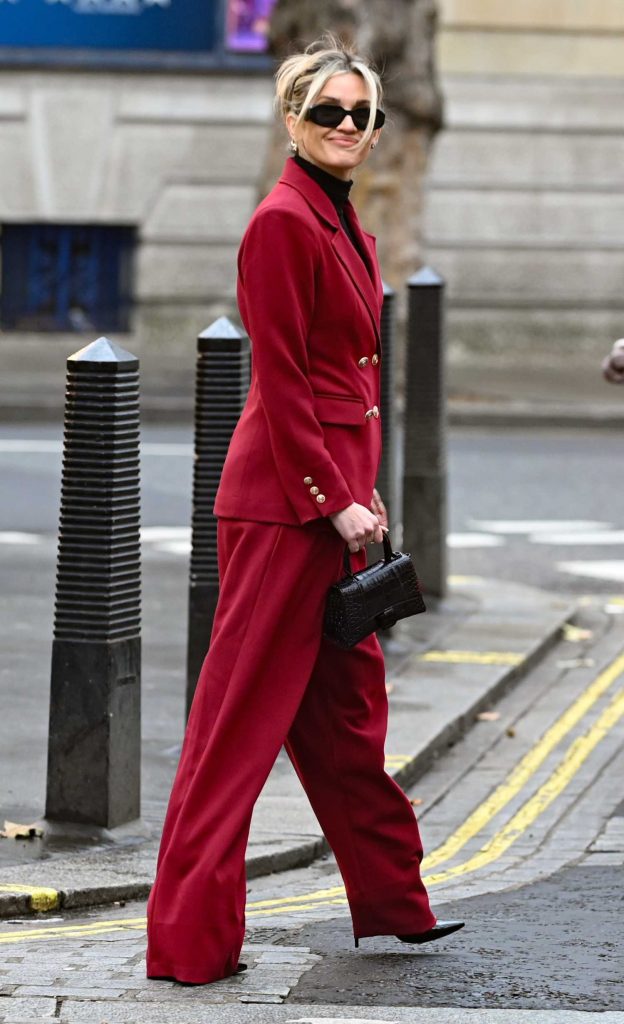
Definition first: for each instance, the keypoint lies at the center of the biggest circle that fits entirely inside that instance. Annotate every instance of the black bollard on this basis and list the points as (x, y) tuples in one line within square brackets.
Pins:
[(424, 473), (386, 478), (222, 383), (94, 750)]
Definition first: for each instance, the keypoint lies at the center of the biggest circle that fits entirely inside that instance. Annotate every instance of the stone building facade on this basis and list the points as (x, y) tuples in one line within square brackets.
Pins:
[(524, 205)]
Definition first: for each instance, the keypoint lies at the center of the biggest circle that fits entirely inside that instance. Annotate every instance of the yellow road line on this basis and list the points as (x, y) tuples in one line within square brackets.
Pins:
[(559, 779), (40, 897), (473, 657), (526, 767), (72, 931), (578, 751)]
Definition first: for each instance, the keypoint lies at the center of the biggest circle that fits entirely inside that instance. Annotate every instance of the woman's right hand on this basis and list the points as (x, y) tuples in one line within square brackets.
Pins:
[(358, 526)]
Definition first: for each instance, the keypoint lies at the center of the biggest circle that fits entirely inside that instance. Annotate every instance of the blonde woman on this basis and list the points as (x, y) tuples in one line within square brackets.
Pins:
[(297, 486)]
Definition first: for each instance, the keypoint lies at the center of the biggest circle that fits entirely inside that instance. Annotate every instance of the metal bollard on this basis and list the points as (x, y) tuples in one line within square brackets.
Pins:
[(424, 474), (386, 478), (222, 383), (94, 750)]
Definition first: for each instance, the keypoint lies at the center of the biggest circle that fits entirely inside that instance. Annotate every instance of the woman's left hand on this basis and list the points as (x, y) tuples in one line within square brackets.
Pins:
[(379, 509)]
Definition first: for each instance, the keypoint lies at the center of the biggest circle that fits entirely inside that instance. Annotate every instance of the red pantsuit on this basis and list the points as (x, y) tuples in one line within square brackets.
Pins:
[(303, 449)]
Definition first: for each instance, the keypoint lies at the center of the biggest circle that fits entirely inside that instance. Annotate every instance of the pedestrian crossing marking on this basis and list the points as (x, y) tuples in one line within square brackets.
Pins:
[(19, 537), (606, 570), (534, 526)]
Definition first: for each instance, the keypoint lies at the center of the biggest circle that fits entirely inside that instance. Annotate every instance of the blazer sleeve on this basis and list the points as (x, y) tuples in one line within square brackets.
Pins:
[(276, 267)]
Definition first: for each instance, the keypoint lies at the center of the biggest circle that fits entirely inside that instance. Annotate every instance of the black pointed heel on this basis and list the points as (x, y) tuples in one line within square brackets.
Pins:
[(357, 943), (439, 930), (240, 967)]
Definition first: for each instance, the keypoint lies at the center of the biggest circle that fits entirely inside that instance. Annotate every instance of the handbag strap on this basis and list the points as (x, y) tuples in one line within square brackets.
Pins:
[(387, 546)]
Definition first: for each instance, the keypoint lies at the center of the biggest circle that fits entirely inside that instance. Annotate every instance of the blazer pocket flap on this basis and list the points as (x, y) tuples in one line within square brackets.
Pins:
[(341, 409)]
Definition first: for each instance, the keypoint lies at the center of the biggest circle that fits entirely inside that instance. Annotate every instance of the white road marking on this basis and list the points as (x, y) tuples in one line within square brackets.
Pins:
[(533, 526), (175, 547), (339, 1020), (16, 537), (474, 540), (580, 539), (158, 534), (613, 570), (22, 446)]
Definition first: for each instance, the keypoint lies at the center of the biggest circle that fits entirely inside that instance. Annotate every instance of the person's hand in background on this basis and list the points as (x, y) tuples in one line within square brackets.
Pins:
[(613, 365)]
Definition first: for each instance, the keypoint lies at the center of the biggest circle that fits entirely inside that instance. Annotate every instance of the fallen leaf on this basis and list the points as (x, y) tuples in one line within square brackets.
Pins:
[(14, 831), (416, 802), (511, 732), (574, 634), (488, 716)]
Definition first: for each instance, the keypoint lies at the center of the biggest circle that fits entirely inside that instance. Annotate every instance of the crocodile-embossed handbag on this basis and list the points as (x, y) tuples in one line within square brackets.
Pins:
[(373, 598)]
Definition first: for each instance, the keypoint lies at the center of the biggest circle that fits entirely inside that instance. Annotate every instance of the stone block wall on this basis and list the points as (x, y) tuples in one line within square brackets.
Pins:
[(179, 157)]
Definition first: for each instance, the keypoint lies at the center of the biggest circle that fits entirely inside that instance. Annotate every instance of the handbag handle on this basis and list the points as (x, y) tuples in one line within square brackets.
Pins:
[(387, 546)]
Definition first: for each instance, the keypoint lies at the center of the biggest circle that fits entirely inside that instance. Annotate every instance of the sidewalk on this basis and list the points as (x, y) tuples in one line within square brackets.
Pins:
[(443, 668)]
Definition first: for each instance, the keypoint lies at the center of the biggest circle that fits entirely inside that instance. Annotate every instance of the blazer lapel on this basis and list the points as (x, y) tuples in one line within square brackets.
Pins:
[(365, 275), (358, 271)]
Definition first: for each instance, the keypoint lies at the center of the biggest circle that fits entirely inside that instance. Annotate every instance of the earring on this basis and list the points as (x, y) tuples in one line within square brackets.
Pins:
[(293, 145), (373, 144)]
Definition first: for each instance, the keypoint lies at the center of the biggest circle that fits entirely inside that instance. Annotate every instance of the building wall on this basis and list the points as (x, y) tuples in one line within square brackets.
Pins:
[(179, 156), (525, 204)]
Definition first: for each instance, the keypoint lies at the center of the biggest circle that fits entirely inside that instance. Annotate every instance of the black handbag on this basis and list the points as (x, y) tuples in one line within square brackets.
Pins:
[(373, 598)]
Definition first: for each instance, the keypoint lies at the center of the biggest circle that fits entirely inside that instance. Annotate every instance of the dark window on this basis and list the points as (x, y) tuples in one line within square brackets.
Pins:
[(64, 277)]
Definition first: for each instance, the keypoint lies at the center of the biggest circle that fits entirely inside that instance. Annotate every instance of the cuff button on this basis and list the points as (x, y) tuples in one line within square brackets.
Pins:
[(314, 490), (320, 498), (307, 480)]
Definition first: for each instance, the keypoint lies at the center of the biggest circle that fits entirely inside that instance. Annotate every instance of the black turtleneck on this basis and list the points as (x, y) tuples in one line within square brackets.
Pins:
[(336, 188)]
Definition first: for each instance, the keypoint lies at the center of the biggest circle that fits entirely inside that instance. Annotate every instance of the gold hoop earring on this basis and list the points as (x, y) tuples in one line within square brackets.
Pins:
[(293, 145), (373, 144)]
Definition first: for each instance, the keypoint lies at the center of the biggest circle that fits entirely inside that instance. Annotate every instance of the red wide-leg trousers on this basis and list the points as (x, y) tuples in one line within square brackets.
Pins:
[(269, 679)]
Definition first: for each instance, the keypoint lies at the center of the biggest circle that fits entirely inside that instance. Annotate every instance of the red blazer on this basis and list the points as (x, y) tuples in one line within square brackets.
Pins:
[(308, 441)]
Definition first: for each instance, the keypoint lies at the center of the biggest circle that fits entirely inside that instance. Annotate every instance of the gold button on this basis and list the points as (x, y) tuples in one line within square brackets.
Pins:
[(375, 359), (376, 412), (307, 480), (320, 498), (314, 490), (369, 414), (363, 362)]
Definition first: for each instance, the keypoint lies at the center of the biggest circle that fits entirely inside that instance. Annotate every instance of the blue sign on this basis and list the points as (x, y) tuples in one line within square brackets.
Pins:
[(173, 25)]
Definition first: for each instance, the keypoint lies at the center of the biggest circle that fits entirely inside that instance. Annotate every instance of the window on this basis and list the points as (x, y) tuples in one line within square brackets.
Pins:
[(64, 277)]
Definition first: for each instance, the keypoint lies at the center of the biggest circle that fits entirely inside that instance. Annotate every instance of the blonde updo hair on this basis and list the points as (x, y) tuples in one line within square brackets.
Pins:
[(301, 78)]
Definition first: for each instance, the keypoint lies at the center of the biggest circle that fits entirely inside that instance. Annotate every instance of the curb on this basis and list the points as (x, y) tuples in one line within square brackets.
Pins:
[(528, 414), (170, 409)]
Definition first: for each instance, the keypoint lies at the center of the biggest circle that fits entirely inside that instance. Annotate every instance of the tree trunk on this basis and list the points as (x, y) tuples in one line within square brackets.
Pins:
[(399, 36)]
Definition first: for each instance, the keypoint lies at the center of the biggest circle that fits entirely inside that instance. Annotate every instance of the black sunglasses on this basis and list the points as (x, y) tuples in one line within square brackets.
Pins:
[(330, 115)]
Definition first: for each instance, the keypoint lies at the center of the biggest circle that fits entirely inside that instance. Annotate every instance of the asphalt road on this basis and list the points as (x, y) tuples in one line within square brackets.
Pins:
[(550, 945), (545, 934), (546, 508)]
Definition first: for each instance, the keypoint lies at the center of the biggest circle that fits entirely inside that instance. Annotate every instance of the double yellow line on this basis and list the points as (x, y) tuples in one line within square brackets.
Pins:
[(563, 773), (560, 777)]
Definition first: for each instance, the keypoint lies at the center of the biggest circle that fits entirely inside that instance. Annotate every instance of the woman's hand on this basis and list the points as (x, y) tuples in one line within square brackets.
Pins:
[(358, 526), (379, 509)]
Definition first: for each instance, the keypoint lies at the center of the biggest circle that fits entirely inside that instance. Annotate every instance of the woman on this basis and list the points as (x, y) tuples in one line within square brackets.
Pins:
[(297, 485)]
